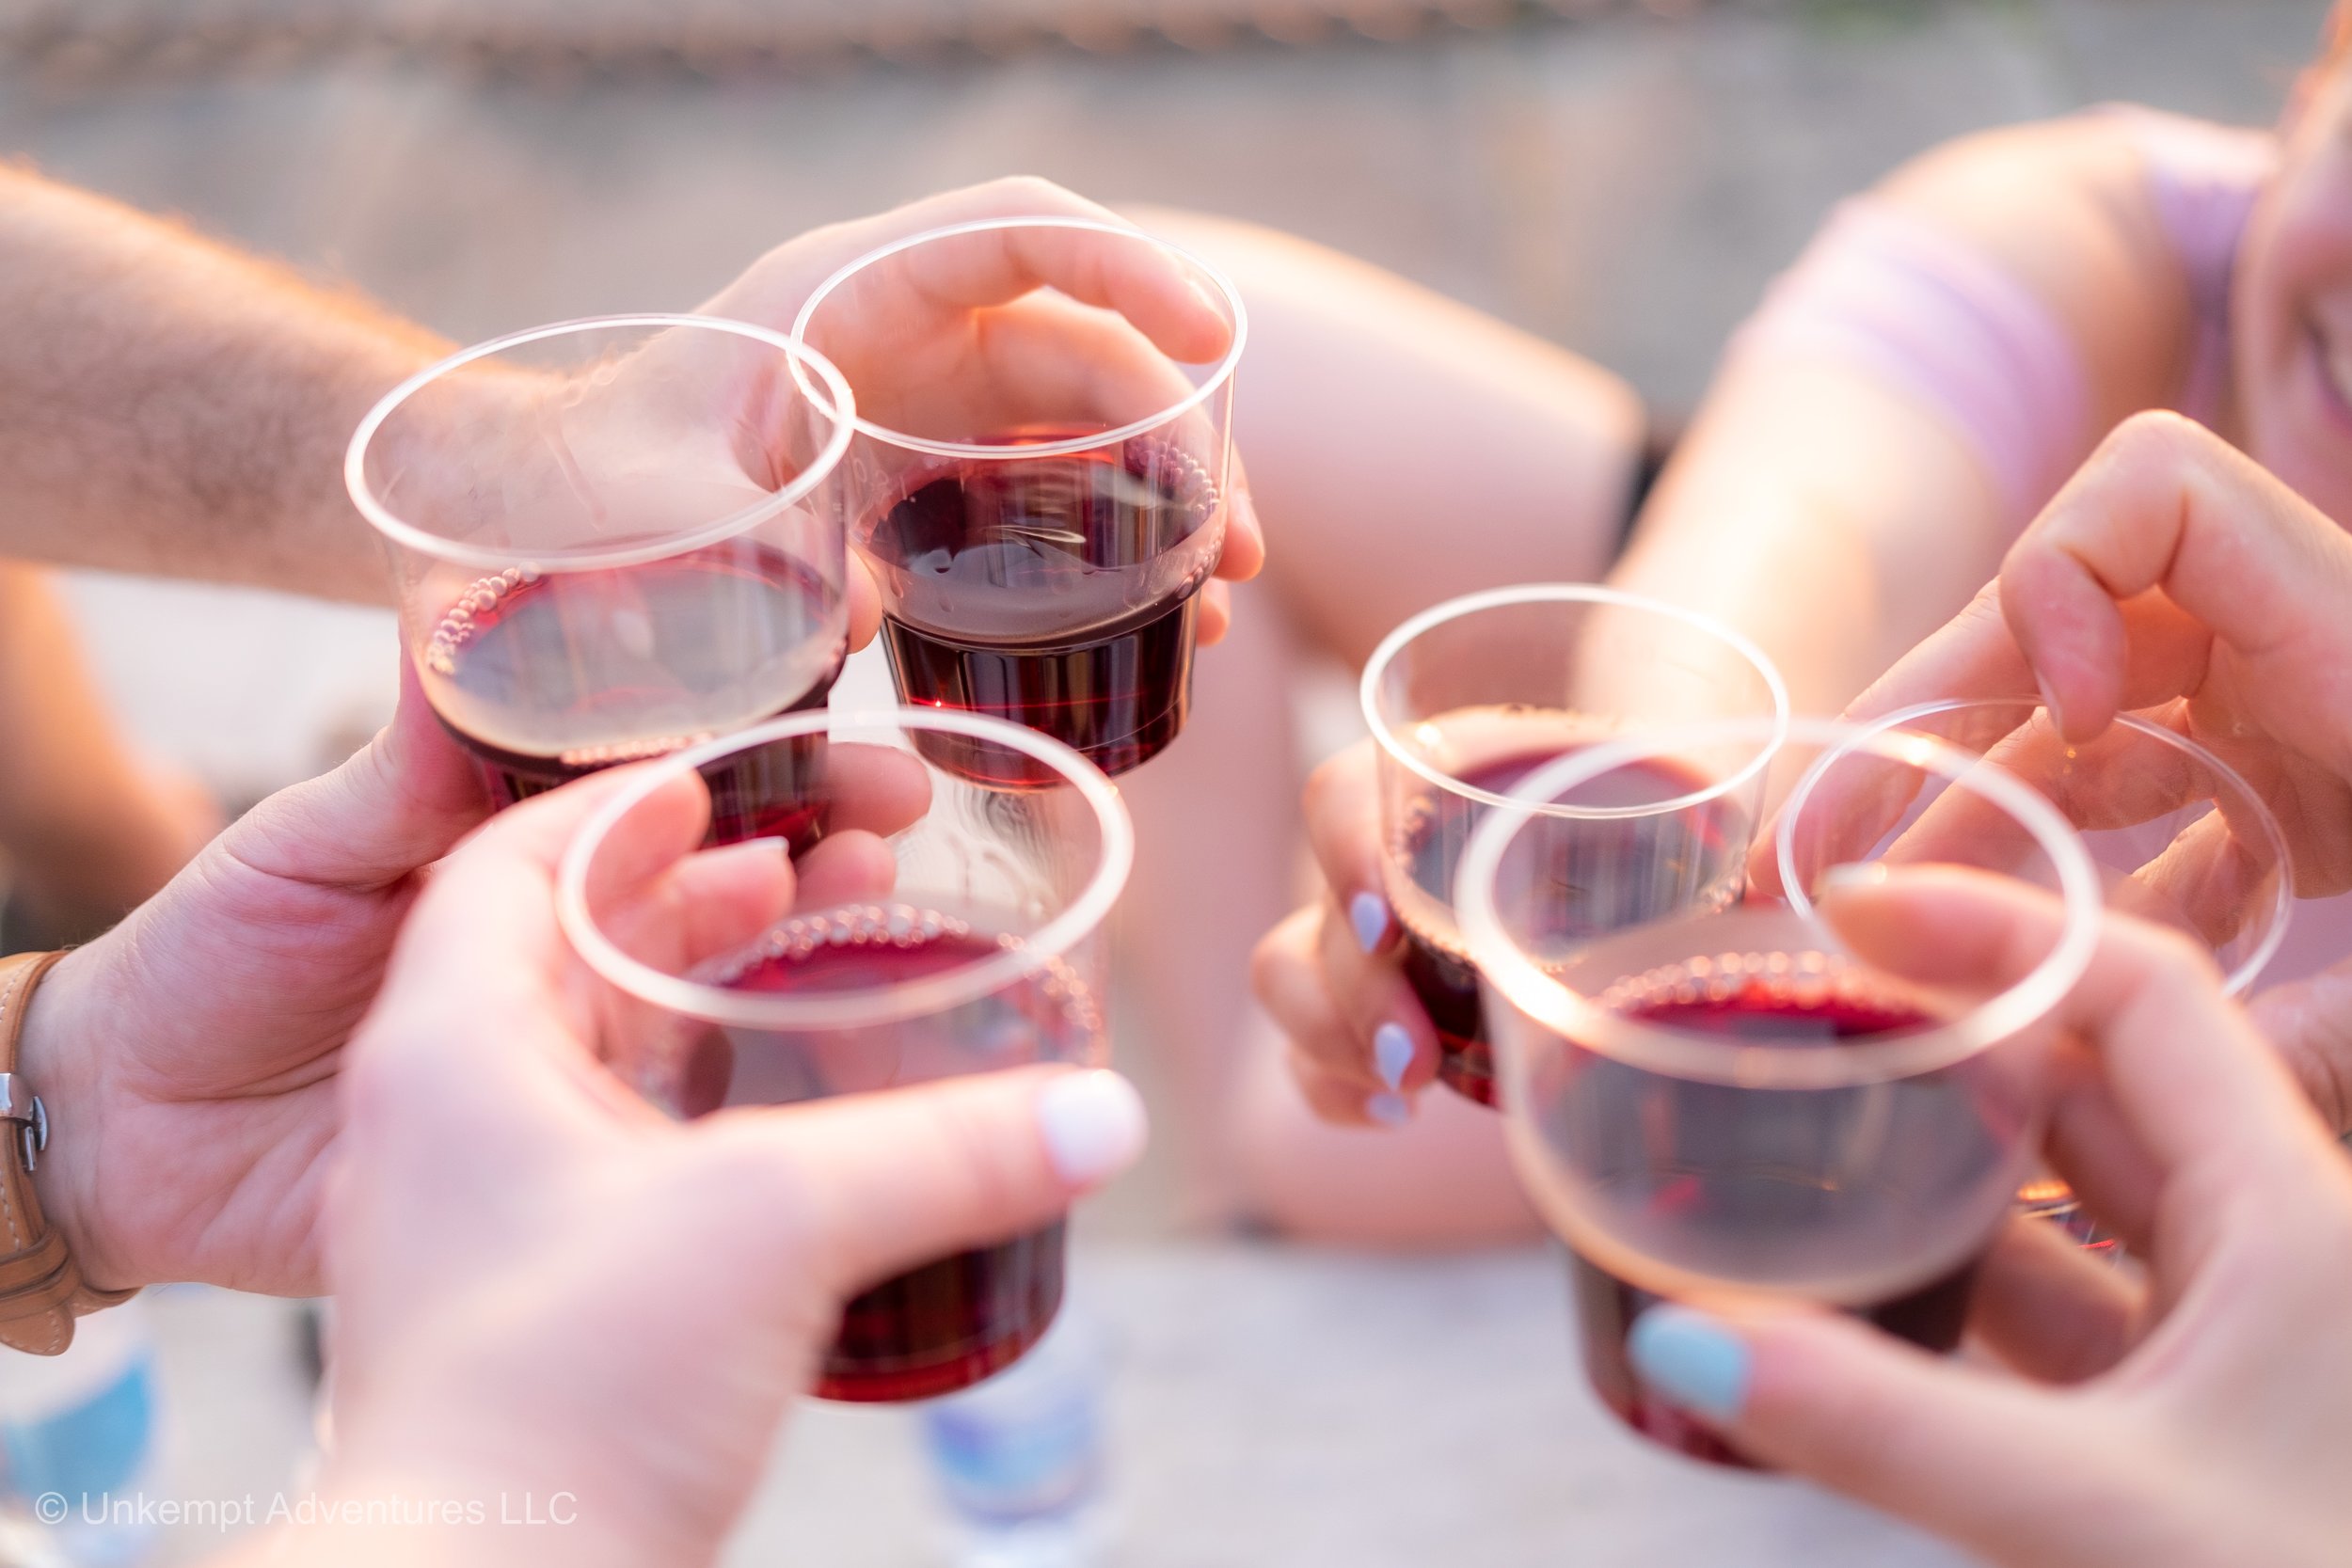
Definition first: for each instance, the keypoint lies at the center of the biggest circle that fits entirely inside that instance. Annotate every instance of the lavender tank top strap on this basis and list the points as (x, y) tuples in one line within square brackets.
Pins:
[(2204, 180), (1924, 315)]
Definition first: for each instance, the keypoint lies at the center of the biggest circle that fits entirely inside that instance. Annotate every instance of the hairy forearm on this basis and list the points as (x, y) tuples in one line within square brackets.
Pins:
[(170, 407)]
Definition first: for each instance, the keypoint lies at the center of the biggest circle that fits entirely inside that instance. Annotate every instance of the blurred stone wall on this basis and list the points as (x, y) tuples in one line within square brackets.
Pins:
[(1623, 181)]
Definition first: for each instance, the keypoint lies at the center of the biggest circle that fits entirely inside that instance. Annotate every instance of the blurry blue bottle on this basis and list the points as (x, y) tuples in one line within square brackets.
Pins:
[(79, 1444), (1019, 1458)]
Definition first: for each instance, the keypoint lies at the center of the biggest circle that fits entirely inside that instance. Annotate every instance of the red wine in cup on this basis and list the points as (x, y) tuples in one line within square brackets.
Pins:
[(949, 1324), (547, 678), (1054, 591), (1930, 1316), (1613, 873)]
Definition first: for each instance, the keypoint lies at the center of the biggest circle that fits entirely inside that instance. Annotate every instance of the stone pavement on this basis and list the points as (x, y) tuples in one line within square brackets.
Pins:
[(1283, 1406)]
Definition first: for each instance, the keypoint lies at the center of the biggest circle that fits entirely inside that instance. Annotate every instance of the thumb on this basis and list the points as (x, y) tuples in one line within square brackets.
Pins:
[(1992, 1463), (887, 1181), (400, 802)]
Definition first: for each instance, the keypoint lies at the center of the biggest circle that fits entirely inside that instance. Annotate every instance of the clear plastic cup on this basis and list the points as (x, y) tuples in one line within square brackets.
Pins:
[(1039, 485), (942, 927), (1730, 1103), (1469, 696), (2180, 838), (614, 538)]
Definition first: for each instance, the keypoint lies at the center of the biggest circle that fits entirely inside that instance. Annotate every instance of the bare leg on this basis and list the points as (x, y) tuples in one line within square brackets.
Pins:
[(1402, 449), (89, 830), (1217, 838)]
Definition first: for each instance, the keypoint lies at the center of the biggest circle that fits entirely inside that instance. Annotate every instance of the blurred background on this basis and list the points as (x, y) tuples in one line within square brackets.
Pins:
[(1622, 178)]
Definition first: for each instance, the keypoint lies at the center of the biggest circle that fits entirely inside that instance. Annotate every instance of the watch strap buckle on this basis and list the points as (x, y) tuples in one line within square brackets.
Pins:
[(21, 1105)]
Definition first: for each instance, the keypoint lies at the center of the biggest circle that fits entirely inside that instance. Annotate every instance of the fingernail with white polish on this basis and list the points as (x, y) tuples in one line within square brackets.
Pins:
[(780, 845), (1388, 1110), (1691, 1359), (1391, 1054), (1369, 914), (1853, 875), (1093, 1125)]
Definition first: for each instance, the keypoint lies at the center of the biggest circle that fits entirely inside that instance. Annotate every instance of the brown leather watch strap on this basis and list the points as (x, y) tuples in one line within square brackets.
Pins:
[(40, 1290)]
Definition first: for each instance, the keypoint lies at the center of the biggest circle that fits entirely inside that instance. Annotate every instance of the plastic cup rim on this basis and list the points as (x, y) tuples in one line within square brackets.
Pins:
[(976, 452), (579, 559), (917, 998), (1375, 668), (2239, 980), (1687, 1055)]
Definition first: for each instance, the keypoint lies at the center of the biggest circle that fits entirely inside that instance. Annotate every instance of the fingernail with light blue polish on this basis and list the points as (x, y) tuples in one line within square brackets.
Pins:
[(1388, 1110), (1691, 1359), (1369, 915), (1391, 1054)]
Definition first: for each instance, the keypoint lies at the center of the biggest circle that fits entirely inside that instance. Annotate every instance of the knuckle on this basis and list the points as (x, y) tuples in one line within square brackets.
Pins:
[(1031, 188), (2155, 432)]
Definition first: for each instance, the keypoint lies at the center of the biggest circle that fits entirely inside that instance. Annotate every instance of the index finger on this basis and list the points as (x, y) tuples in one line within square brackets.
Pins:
[(1127, 272), (1343, 806), (2165, 504)]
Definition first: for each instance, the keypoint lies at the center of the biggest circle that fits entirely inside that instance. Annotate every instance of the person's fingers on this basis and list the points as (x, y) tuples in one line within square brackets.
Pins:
[(2209, 881), (865, 602), (399, 803), (1972, 655), (2051, 1309), (860, 1188), (650, 836), (1286, 974), (1122, 270), (1841, 815), (772, 290), (481, 956), (701, 906), (1342, 808), (2091, 1146), (1398, 1047), (1126, 273), (1985, 1461), (1358, 1073), (1339, 1098), (2165, 504), (2309, 1023), (1216, 613), (878, 789), (849, 867), (2197, 1085), (1244, 552)]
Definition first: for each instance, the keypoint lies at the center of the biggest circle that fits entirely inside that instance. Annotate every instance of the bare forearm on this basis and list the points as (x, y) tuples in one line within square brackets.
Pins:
[(1404, 448), (169, 405), (1829, 520)]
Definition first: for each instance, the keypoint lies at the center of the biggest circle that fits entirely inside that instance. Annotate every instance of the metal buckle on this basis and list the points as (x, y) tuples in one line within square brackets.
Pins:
[(21, 1105)]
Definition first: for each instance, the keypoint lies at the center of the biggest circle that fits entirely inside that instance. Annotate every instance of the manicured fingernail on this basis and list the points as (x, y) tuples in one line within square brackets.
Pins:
[(1093, 1124), (781, 844), (2049, 700), (1391, 1054), (1853, 875), (1388, 1110), (1369, 914), (1690, 1360)]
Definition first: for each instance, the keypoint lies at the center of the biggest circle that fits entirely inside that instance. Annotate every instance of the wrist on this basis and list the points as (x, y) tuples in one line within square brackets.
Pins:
[(62, 1057)]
